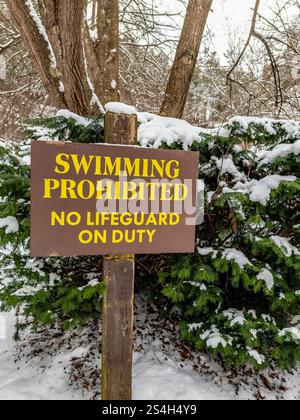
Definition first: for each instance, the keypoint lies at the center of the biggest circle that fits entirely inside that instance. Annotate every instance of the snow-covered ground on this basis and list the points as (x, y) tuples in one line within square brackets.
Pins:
[(51, 365), (41, 378)]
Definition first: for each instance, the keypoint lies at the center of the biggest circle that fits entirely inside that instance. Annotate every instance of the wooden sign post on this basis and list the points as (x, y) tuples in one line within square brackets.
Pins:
[(118, 303)]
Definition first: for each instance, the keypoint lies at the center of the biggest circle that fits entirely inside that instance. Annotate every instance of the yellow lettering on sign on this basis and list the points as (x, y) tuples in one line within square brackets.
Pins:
[(181, 192), (151, 234), (112, 167), (72, 219), (108, 166), (172, 169), (117, 236), (67, 189), (88, 192), (174, 219), (132, 168), (100, 237), (82, 164), (85, 237), (49, 186), (62, 160)]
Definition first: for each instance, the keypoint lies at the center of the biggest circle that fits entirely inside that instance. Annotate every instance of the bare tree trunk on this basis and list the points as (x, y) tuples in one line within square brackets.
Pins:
[(39, 50), (94, 10), (107, 50), (77, 71), (186, 58), (77, 91)]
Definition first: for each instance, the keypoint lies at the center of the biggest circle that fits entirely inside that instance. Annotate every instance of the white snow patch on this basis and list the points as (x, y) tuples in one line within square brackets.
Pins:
[(157, 130), (267, 277), (77, 118), (92, 283), (195, 326), (213, 338), (254, 333), (236, 317), (36, 266), (53, 278), (226, 165), (291, 128), (201, 286), (10, 223), (157, 377), (260, 191), (158, 374), (25, 381), (282, 150), (232, 254), (42, 30), (268, 318), (294, 331), (61, 87), (205, 251), (94, 34), (296, 321), (252, 312)]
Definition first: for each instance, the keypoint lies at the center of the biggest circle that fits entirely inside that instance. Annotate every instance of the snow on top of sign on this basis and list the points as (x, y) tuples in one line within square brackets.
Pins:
[(120, 108)]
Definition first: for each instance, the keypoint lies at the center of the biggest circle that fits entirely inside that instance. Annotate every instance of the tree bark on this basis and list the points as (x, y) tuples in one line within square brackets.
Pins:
[(107, 51), (186, 58), (60, 17), (77, 91), (59, 35), (38, 49)]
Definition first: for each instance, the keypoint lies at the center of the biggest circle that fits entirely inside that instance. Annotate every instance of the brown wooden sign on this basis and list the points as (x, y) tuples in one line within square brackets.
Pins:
[(89, 199)]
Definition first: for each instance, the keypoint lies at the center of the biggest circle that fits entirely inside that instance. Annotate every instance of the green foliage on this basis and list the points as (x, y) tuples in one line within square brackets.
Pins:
[(44, 290), (86, 130), (238, 294)]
